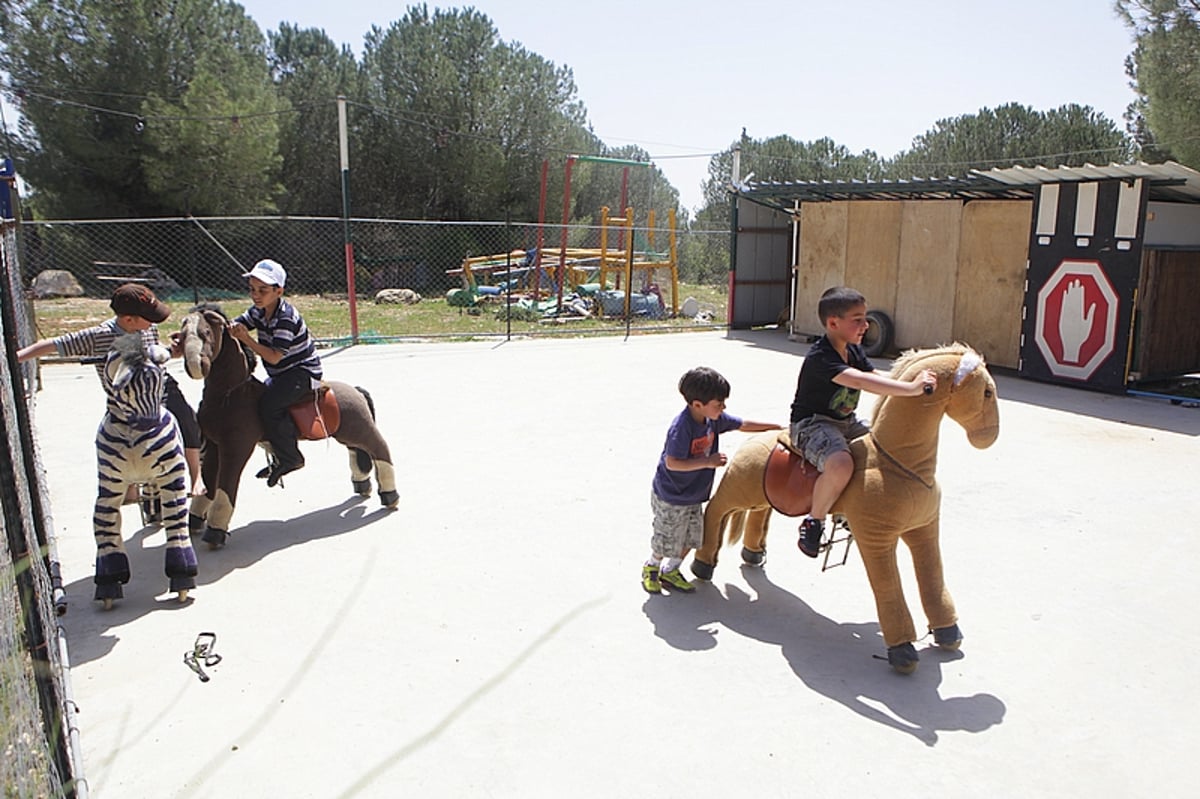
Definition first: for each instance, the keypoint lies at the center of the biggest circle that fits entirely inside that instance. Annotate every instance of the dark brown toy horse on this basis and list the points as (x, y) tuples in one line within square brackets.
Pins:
[(228, 417)]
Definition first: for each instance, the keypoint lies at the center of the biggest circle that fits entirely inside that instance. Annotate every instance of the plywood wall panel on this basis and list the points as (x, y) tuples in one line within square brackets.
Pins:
[(990, 289), (928, 265), (822, 260), (873, 251)]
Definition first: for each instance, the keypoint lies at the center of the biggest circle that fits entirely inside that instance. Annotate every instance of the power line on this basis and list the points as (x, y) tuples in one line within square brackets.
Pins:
[(443, 132)]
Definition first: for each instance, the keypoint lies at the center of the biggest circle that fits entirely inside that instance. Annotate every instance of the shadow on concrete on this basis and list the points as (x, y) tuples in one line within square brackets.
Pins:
[(838, 660), (91, 629), (1158, 414), (774, 339)]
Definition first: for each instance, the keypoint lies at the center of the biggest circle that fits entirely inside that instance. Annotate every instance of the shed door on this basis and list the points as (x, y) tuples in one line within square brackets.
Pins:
[(1084, 257), (760, 280)]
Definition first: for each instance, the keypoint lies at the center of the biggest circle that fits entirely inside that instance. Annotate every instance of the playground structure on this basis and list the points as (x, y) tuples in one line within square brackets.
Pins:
[(585, 270), (536, 276)]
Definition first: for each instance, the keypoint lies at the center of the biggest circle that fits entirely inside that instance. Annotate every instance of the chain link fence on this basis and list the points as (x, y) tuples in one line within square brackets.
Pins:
[(471, 278), (39, 742), (410, 279)]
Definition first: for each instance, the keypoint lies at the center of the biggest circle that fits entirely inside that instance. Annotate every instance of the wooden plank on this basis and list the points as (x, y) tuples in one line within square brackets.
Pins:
[(991, 278), (929, 240)]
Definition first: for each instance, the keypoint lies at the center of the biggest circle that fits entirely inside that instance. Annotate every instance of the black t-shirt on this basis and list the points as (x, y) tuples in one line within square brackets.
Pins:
[(815, 390)]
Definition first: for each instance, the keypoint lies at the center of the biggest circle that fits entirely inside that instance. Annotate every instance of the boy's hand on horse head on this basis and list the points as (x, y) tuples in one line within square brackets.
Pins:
[(927, 380)]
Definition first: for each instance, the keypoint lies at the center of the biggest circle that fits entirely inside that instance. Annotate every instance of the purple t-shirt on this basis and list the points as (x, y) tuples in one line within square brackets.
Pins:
[(687, 438)]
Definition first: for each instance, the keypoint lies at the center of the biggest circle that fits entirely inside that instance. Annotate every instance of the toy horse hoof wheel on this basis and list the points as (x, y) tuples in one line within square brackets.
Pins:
[(389, 499), (903, 658), (214, 538), (949, 638), (753, 558), (702, 570)]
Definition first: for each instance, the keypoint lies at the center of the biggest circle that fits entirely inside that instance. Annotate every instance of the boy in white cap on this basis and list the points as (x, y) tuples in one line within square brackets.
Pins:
[(289, 355), (135, 309)]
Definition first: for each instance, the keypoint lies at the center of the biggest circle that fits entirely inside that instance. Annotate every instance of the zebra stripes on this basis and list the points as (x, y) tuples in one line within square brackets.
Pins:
[(138, 442)]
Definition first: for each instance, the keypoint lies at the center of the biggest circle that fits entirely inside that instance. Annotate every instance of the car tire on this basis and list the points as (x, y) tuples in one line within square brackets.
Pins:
[(880, 333)]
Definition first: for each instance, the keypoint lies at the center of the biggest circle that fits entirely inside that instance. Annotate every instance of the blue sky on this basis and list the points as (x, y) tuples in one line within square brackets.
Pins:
[(681, 79), (684, 78)]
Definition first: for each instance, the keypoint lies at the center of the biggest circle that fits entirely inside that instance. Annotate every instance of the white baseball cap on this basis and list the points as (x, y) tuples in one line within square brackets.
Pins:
[(268, 271)]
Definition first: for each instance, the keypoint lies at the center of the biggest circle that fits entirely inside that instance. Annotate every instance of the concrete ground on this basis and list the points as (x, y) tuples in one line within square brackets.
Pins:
[(491, 638)]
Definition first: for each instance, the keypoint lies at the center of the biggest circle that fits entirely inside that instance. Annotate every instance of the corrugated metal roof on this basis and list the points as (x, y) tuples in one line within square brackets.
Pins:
[(1170, 182), (784, 194)]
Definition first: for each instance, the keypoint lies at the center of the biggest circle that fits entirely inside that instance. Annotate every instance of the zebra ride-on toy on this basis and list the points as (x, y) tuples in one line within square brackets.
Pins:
[(138, 443)]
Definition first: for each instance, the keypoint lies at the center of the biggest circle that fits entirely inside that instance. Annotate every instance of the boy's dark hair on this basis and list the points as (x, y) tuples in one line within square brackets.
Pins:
[(703, 384), (837, 300)]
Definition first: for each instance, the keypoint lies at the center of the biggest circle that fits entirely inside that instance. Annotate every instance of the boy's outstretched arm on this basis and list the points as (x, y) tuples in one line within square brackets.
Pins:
[(758, 427), (38, 349), (713, 461), (878, 384)]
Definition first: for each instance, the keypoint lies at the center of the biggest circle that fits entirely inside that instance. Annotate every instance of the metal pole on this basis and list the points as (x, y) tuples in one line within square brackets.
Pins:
[(562, 246), (508, 274), (629, 274), (187, 211), (537, 261), (344, 148)]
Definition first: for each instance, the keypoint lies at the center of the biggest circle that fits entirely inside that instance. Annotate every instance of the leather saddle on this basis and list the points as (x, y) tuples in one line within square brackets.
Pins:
[(317, 416), (788, 481)]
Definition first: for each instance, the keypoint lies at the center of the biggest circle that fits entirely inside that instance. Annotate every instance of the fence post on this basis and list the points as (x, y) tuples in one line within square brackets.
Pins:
[(344, 148)]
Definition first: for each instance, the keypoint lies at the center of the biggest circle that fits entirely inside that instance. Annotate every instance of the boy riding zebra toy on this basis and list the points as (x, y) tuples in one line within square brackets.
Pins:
[(138, 442)]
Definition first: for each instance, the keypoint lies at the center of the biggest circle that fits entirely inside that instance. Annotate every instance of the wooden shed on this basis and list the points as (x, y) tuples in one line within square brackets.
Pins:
[(1080, 275)]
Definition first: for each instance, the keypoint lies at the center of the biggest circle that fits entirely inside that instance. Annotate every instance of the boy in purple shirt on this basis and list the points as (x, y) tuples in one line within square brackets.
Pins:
[(684, 478)]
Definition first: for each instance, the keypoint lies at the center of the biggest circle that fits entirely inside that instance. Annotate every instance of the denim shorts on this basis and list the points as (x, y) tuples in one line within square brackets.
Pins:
[(818, 436), (677, 528)]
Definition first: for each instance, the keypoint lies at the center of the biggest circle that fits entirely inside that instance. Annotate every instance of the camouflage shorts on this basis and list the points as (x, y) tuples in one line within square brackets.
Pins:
[(677, 528), (818, 437)]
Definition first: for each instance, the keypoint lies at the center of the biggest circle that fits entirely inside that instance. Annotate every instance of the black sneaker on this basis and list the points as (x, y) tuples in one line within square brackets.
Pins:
[(280, 470), (811, 531)]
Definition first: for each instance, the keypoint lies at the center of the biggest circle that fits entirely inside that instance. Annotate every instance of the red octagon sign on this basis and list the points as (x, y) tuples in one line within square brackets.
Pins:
[(1076, 319)]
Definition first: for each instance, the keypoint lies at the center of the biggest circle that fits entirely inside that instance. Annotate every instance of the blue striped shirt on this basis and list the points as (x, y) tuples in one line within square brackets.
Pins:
[(286, 333), (92, 344)]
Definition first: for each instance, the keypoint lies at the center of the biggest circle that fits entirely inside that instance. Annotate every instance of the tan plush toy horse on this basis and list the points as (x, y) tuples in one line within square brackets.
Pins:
[(893, 494)]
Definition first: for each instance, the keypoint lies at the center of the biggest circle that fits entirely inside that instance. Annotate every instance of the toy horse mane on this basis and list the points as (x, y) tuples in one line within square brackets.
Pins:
[(909, 358), (964, 360), (133, 353), (251, 358), (968, 360)]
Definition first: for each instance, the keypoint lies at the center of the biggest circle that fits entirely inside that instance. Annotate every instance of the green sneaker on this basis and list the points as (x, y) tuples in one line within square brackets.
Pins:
[(650, 580), (676, 581)]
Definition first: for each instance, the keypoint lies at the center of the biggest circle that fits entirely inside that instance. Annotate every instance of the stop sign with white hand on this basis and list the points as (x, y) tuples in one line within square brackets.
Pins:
[(1076, 325)]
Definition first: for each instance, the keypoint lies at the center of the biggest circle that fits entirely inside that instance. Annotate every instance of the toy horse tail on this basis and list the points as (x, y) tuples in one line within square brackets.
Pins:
[(734, 525), (370, 402), (365, 464)]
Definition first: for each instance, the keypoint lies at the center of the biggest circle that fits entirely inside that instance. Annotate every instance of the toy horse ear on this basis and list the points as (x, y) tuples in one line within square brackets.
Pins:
[(969, 362), (158, 354), (120, 372)]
